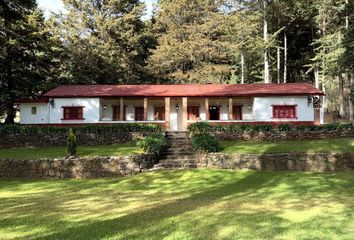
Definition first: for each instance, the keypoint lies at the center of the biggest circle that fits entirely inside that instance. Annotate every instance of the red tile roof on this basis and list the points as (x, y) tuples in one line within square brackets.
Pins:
[(206, 90)]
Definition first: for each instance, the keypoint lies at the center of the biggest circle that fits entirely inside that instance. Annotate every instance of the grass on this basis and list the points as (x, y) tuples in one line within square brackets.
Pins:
[(59, 152), (181, 204), (323, 145)]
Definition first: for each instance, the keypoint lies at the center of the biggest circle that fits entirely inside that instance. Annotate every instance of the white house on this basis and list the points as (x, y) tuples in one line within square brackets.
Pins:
[(175, 106)]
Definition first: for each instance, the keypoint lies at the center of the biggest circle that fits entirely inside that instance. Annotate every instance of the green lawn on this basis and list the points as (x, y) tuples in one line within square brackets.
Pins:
[(181, 204), (324, 145), (59, 152)]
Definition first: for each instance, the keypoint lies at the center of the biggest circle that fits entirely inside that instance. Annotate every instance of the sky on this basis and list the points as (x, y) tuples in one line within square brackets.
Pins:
[(56, 6)]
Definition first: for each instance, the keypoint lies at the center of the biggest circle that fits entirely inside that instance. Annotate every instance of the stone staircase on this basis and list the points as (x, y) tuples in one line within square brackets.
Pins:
[(179, 154)]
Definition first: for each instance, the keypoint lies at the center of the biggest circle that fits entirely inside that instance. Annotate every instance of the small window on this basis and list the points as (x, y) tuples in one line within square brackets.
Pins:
[(159, 114), (193, 113), (284, 111), (73, 113), (34, 110)]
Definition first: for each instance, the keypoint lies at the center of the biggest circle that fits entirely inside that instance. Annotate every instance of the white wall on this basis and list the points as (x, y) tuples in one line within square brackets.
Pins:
[(26, 116), (263, 111), (91, 110)]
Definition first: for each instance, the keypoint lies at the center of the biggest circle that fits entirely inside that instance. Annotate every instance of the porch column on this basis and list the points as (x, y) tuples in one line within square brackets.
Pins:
[(121, 106), (206, 104), (230, 109), (184, 116), (145, 108), (167, 111)]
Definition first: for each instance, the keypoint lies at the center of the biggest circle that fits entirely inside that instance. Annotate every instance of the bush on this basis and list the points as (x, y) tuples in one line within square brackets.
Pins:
[(123, 127), (206, 143), (153, 144), (200, 127), (284, 127), (71, 144)]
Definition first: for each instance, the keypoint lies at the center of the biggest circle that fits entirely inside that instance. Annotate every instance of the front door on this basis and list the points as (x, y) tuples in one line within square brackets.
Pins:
[(237, 112)]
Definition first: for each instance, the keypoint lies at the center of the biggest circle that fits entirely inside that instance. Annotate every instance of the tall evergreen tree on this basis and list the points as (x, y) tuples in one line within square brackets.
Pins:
[(26, 54), (104, 39), (190, 46)]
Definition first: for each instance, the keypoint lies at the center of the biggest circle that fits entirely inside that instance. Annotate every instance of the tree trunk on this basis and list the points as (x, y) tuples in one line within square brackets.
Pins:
[(278, 64), (341, 95), (10, 113), (317, 78), (350, 100), (285, 57), (242, 67), (266, 50)]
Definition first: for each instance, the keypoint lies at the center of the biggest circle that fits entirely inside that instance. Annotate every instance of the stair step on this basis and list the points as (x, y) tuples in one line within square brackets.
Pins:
[(178, 156)]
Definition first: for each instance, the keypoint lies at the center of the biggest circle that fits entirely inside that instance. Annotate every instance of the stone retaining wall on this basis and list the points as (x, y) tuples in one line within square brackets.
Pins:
[(318, 162), (59, 139), (275, 136), (75, 168)]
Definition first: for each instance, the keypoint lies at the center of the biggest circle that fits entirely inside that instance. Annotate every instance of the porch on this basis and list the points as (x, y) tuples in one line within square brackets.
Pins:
[(175, 113)]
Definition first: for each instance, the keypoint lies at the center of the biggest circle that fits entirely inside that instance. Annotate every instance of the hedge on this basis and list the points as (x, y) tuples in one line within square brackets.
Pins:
[(203, 127), (126, 127)]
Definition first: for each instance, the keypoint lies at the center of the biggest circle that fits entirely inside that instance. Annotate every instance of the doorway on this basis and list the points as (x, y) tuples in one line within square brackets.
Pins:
[(214, 113)]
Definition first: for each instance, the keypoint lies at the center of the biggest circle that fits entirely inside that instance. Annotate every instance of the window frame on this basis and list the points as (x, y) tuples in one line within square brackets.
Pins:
[(276, 115), (80, 113)]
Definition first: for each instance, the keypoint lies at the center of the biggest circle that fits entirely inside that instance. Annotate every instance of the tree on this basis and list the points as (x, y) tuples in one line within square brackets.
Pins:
[(105, 41), (190, 45), (26, 54)]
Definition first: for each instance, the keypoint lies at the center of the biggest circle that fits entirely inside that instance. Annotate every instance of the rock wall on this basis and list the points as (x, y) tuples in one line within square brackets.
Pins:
[(276, 136), (59, 139), (75, 168), (318, 162)]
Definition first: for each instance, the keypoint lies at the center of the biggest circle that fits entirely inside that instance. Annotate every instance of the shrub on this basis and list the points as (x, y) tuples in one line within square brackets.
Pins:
[(153, 144), (200, 127), (206, 143), (284, 127), (71, 144), (262, 128)]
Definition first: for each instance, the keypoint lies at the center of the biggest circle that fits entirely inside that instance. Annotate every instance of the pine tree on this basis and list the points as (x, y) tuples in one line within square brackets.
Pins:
[(26, 54), (105, 41), (190, 46)]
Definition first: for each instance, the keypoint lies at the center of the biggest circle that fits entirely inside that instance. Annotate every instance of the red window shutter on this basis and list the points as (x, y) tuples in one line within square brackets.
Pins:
[(284, 111), (73, 113)]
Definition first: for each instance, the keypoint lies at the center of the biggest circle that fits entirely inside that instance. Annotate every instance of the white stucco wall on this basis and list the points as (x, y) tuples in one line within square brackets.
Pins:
[(91, 110), (253, 109), (26, 116), (263, 111)]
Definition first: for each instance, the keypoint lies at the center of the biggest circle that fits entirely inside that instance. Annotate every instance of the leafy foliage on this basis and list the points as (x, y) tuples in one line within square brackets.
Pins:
[(206, 143), (104, 40), (153, 144), (128, 127), (71, 144), (27, 54), (205, 128)]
